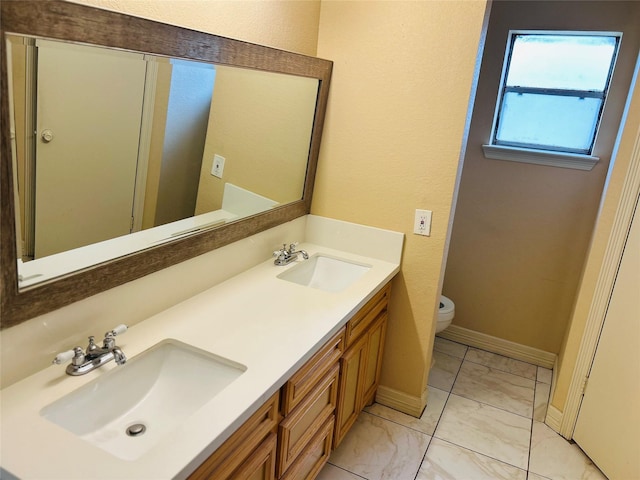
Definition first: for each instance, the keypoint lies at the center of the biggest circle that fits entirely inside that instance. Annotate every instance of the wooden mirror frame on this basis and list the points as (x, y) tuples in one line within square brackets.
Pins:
[(58, 19)]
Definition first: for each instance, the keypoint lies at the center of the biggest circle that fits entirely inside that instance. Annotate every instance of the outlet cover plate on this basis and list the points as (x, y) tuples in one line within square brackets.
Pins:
[(422, 222), (218, 166)]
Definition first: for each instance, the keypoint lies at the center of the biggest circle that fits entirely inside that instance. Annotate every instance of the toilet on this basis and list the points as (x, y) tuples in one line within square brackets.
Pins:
[(446, 312)]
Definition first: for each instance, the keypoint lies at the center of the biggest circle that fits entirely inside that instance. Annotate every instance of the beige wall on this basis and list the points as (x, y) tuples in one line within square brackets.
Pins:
[(400, 89), (521, 231), (289, 25), (260, 122)]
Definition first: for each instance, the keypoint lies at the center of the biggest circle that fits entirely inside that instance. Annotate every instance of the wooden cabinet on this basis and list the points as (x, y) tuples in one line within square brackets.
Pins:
[(361, 362), (291, 436), (298, 429), (373, 352), (306, 378), (309, 401), (350, 389), (314, 456), (261, 464), (250, 451), (363, 319)]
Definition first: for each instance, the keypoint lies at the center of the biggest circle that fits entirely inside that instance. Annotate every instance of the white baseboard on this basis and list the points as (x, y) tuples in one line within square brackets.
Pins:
[(499, 346), (401, 401)]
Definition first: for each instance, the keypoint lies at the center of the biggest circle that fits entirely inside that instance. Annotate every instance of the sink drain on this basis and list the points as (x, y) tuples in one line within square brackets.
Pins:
[(136, 430)]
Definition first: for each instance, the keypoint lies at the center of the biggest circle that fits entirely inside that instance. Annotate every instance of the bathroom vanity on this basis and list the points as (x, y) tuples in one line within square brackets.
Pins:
[(307, 362)]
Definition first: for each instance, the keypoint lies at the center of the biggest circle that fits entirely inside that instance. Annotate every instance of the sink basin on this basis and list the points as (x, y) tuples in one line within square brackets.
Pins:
[(127, 410), (325, 273)]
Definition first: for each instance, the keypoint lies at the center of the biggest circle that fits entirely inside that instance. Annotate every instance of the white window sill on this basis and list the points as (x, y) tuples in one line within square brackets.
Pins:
[(540, 157)]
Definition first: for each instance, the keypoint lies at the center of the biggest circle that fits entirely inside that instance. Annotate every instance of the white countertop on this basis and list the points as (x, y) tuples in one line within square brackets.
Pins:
[(269, 325)]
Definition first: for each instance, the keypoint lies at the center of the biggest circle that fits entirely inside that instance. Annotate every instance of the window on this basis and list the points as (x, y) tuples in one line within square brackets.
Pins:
[(552, 94)]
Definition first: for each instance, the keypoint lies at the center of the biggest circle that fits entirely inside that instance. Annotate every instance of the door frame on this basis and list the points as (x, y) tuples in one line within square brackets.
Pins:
[(604, 284), (144, 146)]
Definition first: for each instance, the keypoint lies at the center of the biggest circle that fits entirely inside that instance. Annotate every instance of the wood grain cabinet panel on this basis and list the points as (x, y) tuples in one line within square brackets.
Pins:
[(352, 366), (305, 379), (233, 453), (297, 429), (373, 366), (261, 464), (367, 315), (361, 363), (314, 456)]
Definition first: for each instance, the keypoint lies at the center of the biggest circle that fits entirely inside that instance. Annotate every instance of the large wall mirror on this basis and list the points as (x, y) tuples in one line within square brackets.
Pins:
[(130, 145)]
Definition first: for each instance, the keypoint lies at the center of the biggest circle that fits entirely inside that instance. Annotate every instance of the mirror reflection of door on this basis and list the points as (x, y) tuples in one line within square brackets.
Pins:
[(85, 189)]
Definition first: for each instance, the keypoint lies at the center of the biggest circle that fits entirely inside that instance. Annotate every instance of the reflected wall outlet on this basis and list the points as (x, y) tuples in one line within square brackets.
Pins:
[(218, 166), (422, 222)]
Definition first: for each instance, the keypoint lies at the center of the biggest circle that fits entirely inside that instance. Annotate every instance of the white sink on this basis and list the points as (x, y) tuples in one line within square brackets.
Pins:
[(158, 389), (325, 273)]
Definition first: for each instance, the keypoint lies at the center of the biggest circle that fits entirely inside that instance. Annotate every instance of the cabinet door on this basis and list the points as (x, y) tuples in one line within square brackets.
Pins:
[(352, 368), (374, 348)]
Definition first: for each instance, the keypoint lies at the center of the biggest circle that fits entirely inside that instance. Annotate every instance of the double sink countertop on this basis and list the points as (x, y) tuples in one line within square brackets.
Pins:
[(269, 325)]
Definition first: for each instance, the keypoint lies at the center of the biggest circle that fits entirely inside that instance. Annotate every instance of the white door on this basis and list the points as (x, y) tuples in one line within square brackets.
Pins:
[(90, 103), (608, 426)]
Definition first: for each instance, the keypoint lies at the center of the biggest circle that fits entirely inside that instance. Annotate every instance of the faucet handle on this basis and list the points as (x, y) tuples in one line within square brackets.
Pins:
[(282, 251), (76, 356), (119, 330), (109, 337), (63, 357)]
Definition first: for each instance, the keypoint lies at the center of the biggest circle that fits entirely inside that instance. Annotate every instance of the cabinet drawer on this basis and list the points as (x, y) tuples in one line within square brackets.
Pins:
[(303, 423), (305, 379), (261, 464), (240, 446), (367, 315), (313, 458)]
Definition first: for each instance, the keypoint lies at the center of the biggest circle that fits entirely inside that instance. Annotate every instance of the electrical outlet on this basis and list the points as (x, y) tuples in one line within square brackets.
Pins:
[(422, 222), (218, 166)]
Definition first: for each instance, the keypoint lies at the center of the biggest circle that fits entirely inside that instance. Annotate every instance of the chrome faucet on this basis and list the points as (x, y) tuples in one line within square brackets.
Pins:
[(95, 356), (285, 255)]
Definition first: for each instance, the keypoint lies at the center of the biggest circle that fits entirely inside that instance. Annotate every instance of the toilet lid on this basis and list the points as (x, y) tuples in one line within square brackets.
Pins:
[(446, 305)]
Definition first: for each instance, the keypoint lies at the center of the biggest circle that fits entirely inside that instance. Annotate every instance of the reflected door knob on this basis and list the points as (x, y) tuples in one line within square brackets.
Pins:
[(47, 136)]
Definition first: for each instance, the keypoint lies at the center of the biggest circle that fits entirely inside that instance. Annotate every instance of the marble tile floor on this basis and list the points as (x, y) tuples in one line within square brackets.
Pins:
[(483, 421)]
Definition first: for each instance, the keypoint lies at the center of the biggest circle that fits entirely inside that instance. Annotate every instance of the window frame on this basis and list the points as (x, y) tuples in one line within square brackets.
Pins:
[(582, 159)]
